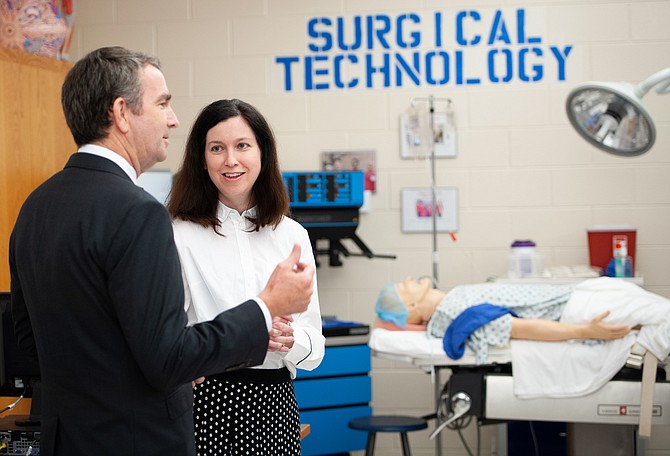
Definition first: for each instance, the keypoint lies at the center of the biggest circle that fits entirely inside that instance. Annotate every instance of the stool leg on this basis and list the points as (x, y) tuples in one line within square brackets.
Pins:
[(370, 447), (405, 444)]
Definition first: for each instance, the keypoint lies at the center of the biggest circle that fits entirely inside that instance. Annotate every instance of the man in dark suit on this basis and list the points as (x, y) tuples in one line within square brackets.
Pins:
[(96, 283)]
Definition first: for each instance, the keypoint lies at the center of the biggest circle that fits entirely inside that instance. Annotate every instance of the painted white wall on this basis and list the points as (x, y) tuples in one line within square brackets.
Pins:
[(521, 171)]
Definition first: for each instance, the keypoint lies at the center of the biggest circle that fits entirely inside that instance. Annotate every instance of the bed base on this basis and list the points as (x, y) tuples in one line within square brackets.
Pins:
[(487, 394), (491, 391)]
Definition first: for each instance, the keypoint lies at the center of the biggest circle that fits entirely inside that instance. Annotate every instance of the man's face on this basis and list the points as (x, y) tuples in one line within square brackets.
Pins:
[(151, 128), (414, 289), (413, 293)]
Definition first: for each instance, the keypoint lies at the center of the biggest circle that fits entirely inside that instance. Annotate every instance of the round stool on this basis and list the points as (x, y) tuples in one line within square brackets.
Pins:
[(388, 423)]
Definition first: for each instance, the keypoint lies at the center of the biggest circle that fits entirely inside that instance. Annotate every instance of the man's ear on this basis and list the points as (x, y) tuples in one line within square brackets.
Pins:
[(120, 115)]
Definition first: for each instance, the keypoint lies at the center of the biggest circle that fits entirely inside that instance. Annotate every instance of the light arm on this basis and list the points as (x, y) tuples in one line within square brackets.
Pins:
[(660, 79)]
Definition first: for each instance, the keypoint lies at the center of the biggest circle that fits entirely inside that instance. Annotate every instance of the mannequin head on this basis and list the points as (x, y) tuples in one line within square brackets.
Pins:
[(410, 301)]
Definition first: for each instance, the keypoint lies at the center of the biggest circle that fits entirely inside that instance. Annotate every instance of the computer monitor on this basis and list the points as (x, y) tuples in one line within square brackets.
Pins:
[(19, 371), (157, 183)]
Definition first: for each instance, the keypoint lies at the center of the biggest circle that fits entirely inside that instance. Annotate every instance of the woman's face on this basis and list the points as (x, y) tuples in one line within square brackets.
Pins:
[(233, 161)]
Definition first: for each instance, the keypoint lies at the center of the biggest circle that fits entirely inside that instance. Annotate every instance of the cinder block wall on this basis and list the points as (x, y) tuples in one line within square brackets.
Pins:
[(521, 171)]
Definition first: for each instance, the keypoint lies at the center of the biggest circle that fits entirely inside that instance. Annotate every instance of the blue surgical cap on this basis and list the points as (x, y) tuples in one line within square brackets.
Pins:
[(390, 307)]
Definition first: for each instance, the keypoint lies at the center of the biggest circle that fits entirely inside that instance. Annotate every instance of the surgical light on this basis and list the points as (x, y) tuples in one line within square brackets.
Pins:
[(611, 115)]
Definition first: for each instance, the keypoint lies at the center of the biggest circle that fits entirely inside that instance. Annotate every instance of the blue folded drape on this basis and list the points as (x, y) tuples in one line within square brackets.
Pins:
[(466, 323)]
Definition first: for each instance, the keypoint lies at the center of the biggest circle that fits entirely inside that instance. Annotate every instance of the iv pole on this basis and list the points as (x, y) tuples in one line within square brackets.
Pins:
[(435, 254), (431, 106)]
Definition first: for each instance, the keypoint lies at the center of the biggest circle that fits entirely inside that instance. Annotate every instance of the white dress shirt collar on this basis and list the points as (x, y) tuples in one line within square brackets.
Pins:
[(113, 156), (223, 212)]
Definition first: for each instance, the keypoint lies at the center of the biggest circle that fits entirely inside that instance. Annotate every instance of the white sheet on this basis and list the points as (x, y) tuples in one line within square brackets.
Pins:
[(418, 348), (569, 369), (628, 304)]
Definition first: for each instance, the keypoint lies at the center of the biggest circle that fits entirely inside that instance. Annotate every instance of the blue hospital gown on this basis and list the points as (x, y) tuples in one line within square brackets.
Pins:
[(544, 301)]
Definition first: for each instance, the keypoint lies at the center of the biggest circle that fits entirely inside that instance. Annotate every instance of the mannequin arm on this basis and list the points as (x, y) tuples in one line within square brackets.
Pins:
[(549, 330)]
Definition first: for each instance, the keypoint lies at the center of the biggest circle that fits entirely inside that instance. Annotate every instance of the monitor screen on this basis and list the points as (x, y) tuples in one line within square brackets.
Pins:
[(157, 183), (17, 369)]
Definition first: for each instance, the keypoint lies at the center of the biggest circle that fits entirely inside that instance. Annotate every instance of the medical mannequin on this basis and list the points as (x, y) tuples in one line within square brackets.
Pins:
[(411, 303)]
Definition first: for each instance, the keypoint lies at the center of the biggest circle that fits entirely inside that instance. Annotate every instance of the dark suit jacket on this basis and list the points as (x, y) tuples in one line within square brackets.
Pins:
[(97, 290)]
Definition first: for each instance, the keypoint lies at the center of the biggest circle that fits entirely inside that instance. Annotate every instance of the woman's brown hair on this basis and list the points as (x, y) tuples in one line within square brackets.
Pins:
[(194, 197)]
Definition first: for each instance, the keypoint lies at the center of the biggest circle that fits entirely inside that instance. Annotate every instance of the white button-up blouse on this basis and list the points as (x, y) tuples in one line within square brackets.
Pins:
[(221, 272)]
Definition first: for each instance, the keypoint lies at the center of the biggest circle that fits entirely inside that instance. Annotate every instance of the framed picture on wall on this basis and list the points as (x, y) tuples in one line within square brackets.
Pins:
[(417, 209)]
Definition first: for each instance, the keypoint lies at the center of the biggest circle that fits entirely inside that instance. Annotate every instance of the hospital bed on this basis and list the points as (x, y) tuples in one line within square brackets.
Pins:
[(487, 391)]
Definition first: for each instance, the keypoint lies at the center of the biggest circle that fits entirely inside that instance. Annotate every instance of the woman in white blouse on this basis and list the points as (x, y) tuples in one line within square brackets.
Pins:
[(229, 207)]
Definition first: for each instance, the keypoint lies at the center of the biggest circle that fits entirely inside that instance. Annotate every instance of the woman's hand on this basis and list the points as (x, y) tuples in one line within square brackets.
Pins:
[(281, 334)]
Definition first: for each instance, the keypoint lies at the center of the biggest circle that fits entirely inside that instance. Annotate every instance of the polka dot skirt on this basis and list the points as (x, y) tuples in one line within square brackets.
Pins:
[(247, 412)]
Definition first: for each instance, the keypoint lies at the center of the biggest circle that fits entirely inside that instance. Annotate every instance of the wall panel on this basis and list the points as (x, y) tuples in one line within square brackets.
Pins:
[(34, 139)]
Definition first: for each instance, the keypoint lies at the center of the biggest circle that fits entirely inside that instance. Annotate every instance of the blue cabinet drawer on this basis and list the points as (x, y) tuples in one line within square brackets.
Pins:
[(329, 432), (344, 360), (332, 392)]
